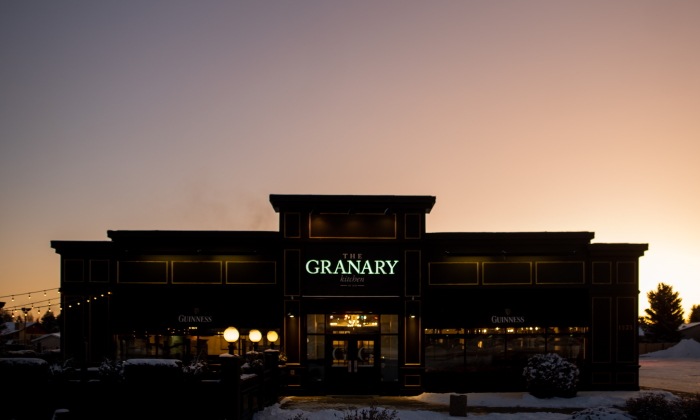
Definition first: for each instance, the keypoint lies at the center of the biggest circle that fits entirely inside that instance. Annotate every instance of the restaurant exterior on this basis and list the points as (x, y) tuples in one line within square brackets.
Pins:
[(361, 298)]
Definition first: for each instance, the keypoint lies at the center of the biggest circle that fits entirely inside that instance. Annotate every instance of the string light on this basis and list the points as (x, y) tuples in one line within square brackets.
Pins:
[(44, 292), (30, 296), (13, 298)]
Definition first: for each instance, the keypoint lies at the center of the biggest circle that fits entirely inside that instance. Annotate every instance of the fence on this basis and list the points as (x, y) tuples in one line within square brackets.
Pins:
[(645, 348), (36, 394)]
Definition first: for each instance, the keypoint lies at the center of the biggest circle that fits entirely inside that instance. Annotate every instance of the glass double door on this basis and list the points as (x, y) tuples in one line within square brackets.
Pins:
[(353, 363)]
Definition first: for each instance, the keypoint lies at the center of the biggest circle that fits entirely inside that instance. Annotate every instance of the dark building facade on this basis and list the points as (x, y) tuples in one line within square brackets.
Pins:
[(363, 300)]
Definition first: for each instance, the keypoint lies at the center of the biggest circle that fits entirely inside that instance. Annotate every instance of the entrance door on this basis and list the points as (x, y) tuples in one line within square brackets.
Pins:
[(353, 364)]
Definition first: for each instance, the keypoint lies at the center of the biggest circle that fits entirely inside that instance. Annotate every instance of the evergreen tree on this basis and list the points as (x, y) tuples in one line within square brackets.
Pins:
[(664, 315), (5, 316), (694, 314), (49, 322)]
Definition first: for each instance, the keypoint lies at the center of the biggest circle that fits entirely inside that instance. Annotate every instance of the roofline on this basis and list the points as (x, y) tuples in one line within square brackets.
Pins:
[(308, 202)]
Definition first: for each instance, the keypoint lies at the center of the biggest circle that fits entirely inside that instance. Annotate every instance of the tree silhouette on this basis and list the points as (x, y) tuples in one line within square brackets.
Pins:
[(664, 315), (694, 314), (50, 322)]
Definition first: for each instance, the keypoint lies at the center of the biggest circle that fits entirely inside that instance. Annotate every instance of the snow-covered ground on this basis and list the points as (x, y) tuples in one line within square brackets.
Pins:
[(676, 370), (596, 401), (672, 374), (599, 405), (584, 399)]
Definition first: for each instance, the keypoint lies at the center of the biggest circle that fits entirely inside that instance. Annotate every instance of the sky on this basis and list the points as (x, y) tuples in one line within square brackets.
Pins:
[(185, 115)]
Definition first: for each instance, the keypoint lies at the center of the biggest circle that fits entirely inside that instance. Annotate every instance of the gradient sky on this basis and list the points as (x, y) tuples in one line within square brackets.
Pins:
[(517, 115)]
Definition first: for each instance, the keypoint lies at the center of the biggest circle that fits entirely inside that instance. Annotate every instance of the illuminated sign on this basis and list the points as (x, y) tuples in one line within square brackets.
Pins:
[(507, 319), (342, 273), (351, 266), (194, 318)]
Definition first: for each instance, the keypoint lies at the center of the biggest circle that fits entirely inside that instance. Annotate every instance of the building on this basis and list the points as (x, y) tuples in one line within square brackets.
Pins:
[(20, 335), (690, 330), (362, 298), (46, 342)]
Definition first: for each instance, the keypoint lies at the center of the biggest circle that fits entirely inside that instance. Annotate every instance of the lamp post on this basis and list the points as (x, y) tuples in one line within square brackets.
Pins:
[(272, 337), (255, 336), (231, 336)]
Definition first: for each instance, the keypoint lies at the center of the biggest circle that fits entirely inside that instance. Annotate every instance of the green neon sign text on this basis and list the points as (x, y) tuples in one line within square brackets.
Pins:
[(351, 267)]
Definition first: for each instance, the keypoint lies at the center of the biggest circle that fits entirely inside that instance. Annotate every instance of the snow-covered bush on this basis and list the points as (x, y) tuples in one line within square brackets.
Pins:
[(194, 370), (371, 413), (254, 363), (111, 371), (153, 370), (658, 407), (690, 407), (282, 358), (23, 369), (548, 375), (600, 413), (61, 372)]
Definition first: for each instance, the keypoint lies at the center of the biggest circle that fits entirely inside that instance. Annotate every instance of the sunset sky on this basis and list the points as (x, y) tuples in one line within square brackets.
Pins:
[(517, 115)]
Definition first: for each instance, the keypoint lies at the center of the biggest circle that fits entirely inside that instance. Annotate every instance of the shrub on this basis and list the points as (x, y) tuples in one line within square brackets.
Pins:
[(548, 375), (689, 407), (371, 413), (254, 363), (153, 370), (23, 370), (61, 372), (194, 371), (658, 407), (599, 413), (111, 371)]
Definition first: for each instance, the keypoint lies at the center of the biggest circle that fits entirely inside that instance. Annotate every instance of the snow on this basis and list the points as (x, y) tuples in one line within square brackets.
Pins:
[(23, 361), (584, 399), (689, 325), (686, 349), (57, 335), (228, 355), (600, 413), (153, 362), (598, 405)]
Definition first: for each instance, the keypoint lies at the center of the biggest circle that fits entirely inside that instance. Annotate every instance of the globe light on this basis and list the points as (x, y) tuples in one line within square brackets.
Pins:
[(272, 336), (231, 335), (255, 336)]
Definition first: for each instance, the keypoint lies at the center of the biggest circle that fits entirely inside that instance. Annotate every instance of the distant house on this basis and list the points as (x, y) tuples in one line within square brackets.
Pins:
[(691, 330), (48, 342), (19, 335)]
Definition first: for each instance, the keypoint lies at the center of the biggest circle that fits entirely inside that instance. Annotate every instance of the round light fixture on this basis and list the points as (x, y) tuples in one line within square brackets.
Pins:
[(255, 336), (272, 336), (231, 335)]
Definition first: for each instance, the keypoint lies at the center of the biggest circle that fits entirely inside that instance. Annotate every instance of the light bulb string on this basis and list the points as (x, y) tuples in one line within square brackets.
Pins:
[(87, 299), (29, 293)]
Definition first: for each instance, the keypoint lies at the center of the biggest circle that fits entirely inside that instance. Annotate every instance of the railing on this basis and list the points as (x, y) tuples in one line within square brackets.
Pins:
[(253, 393), (230, 397)]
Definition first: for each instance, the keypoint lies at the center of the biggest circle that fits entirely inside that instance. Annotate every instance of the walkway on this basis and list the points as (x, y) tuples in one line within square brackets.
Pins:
[(354, 402)]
